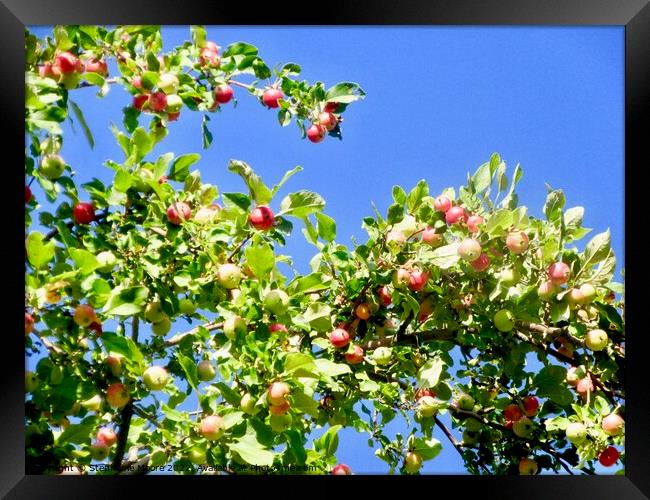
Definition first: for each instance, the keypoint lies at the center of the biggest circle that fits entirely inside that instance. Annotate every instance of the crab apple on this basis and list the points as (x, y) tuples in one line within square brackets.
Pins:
[(316, 133), (585, 386), (339, 338), (412, 462), (114, 362), (512, 412), (427, 406), (442, 204), (49, 70), (276, 301), (609, 456), (197, 455), (106, 260), (523, 427), (395, 239), (613, 424), (278, 327), (355, 356), (28, 194), (531, 405), (178, 212), (588, 293), (84, 315), (83, 213), (186, 306), (504, 320), (209, 58), (424, 391), (279, 409), (575, 298), (473, 223), (212, 427), (576, 433), (280, 423), (223, 93), (465, 402), (327, 120), (99, 451), (278, 392), (157, 101), (68, 63), (546, 290), (575, 374), (107, 436), (29, 323), (559, 273), (401, 278), (271, 97), (168, 83), (247, 404), (455, 215), (117, 395), (211, 46), (161, 327), (174, 105), (382, 355), (430, 237), (596, 340), (481, 263), (229, 275), (362, 311), (261, 218), (206, 371), (139, 101), (527, 467), (384, 295), (52, 167), (234, 326), (330, 107), (418, 280), (31, 381), (136, 81), (205, 215), (517, 242), (341, 470), (153, 312), (96, 65)]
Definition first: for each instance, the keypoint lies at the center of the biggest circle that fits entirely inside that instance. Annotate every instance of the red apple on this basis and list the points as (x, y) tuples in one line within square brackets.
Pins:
[(223, 93), (84, 315), (527, 467), (279, 409), (546, 290), (316, 133), (68, 63), (117, 395), (517, 242), (29, 323), (261, 218), (278, 327), (157, 101), (609, 456), (473, 223), (83, 213), (271, 97), (341, 470), (422, 391), (512, 412), (178, 212), (327, 120), (531, 405), (362, 311), (98, 66), (384, 295), (559, 273), (481, 263), (442, 204), (355, 356), (28, 194), (585, 386), (430, 237), (212, 427), (613, 424), (455, 215), (418, 280), (140, 100), (277, 393), (107, 436), (469, 249), (339, 338), (330, 107)]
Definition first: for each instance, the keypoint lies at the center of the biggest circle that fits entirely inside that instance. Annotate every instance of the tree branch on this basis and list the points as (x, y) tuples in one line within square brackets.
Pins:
[(213, 325)]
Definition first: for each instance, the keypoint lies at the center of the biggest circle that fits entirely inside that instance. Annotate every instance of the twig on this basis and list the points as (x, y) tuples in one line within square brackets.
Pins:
[(180, 336)]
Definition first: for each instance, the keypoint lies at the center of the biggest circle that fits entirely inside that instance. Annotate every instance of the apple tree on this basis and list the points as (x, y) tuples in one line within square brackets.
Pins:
[(462, 315)]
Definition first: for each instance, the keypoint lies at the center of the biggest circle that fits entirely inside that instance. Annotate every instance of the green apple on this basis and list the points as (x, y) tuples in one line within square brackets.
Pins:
[(427, 406), (168, 83), (596, 340), (412, 462), (588, 292), (107, 261), (197, 455), (280, 423), (504, 320), (161, 327), (229, 276), (153, 312), (576, 433), (234, 326), (382, 355), (141, 179), (509, 277), (465, 402), (186, 306), (99, 451), (31, 381), (52, 167), (93, 404), (174, 103), (523, 427), (155, 378), (247, 404), (206, 371), (527, 467), (276, 301)]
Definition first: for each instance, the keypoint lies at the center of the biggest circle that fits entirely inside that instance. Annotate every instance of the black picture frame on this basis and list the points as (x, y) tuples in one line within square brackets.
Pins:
[(633, 14)]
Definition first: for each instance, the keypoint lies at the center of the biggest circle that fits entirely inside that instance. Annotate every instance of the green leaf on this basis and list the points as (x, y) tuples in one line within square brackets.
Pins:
[(180, 168), (415, 196), (39, 253), (206, 135), (427, 448), (261, 259), (122, 180), (238, 199), (78, 433), (560, 311), (296, 446), (189, 367), (395, 213), (554, 205), (598, 248), (326, 226), (300, 365), (301, 204), (482, 178), (573, 217), (126, 301), (198, 35), (498, 222), (328, 443), (444, 257), (84, 126), (344, 92), (331, 369), (558, 423), (318, 316), (285, 178), (251, 450), (313, 282), (510, 200), (231, 397), (550, 377), (240, 48), (113, 342), (304, 403), (84, 260), (429, 373), (259, 192), (399, 195)]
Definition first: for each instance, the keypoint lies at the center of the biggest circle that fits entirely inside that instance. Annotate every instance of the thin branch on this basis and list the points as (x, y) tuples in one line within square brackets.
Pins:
[(71, 224), (237, 248), (180, 336)]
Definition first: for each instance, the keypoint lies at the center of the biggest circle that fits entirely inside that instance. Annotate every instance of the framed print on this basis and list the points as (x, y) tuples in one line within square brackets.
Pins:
[(388, 244)]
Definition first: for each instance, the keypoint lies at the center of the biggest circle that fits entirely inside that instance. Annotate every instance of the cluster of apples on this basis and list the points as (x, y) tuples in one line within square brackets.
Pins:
[(612, 425), (326, 122), (163, 98), (279, 405), (105, 439), (518, 416), (85, 316), (67, 68)]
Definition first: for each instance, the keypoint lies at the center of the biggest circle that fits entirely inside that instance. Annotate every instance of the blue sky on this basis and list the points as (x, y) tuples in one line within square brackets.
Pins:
[(440, 101)]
